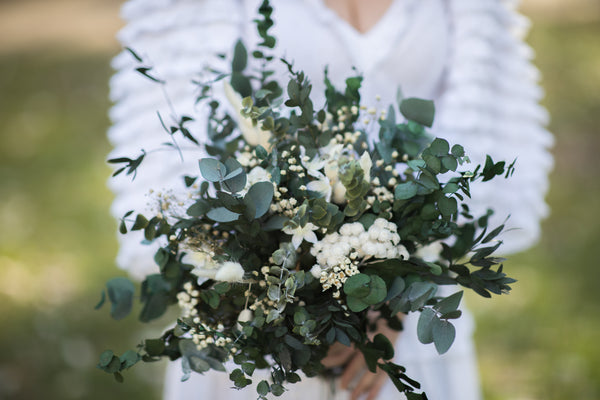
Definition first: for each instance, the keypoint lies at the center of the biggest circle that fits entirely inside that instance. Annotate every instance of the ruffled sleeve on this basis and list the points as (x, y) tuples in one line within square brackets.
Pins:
[(490, 103), (178, 39)]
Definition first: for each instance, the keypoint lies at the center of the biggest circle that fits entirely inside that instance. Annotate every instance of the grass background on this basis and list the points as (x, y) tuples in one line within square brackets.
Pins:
[(57, 240)]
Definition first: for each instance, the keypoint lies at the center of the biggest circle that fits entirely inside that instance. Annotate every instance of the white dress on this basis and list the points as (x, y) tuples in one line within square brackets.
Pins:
[(467, 55)]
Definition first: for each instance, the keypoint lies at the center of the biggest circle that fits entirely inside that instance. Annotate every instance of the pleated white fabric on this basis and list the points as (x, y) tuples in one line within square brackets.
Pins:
[(467, 55)]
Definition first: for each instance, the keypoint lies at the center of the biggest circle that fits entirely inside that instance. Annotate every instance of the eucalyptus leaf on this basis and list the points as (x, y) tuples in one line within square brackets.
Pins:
[(212, 170), (221, 214), (120, 293), (261, 195), (425, 326), (443, 335), (449, 303), (405, 191), (418, 110), (240, 57)]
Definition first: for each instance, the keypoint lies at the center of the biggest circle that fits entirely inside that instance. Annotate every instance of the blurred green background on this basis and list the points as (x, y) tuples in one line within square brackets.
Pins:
[(57, 240)]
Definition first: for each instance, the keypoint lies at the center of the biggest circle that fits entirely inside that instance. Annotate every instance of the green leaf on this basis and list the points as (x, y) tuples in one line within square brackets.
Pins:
[(154, 347), (240, 57), (129, 359), (221, 214), (458, 151), (452, 315), (450, 188), (140, 223), (293, 342), (447, 206), (120, 293), (434, 268), (236, 178), (439, 147), (490, 236), (122, 227), (405, 191), (189, 180), (263, 388), (105, 358), (341, 336), (241, 84), (119, 377), (450, 163), (198, 209), (101, 302), (378, 290), (357, 285), (416, 165), (248, 368), (277, 389), (355, 304), (212, 170), (425, 326), (222, 287), (450, 303), (260, 195), (260, 152), (113, 366), (383, 343), (443, 335), (418, 110), (396, 288), (275, 223), (161, 257), (419, 289)]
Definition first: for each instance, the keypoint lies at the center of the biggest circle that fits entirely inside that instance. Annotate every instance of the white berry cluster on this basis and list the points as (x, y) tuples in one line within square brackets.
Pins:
[(247, 158), (188, 300), (288, 207), (202, 334), (339, 254)]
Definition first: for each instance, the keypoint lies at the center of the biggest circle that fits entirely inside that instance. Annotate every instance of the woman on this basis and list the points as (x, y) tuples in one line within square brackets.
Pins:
[(467, 55)]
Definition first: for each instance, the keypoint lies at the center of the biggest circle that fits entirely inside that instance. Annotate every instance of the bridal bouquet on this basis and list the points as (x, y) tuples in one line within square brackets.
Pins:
[(303, 232)]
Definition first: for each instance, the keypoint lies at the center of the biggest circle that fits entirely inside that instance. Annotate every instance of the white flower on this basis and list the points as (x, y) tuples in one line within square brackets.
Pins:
[(316, 271), (258, 174), (254, 135), (314, 166), (301, 233), (366, 164), (339, 193), (230, 272), (402, 252), (321, 186), (204, 265), (245, 315), (431, 252)]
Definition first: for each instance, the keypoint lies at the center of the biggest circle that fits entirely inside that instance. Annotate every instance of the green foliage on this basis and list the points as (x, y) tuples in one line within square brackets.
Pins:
[(120, 294), (263, 212), (363, 291), (418, 110)]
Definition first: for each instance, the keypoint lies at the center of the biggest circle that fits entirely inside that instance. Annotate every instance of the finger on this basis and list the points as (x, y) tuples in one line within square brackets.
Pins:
[(377, 385), (364, 385), (352, 369)]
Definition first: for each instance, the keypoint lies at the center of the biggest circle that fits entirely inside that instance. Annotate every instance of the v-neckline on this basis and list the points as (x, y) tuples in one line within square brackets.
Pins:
[(369, 48), (380, 21)]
